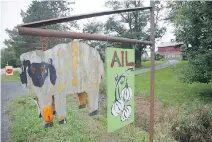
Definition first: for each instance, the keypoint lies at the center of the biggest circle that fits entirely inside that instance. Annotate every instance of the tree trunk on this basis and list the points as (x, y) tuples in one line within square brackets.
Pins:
[(138, 58)]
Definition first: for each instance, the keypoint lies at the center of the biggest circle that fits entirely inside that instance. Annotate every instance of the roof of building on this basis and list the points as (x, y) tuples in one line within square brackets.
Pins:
[(167, 44)]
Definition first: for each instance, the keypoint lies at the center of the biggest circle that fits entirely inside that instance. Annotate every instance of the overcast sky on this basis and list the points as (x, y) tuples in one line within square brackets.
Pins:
[(10, 14)]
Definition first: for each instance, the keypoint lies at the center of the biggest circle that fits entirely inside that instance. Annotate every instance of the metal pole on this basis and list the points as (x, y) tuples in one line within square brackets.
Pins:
[(65, 34), (152, 74), (78, 17)]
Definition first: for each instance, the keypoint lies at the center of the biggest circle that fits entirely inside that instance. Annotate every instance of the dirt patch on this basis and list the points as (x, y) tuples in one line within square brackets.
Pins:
[(163, 116), (142, 111), (142, 104)]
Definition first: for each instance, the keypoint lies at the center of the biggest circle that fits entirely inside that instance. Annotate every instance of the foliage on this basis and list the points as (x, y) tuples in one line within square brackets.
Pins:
[(39, 10), (128, 25), (195, 124), (8, 57), (199, 69), (132, 25), (193, 23), (158, 56), (95, 27)]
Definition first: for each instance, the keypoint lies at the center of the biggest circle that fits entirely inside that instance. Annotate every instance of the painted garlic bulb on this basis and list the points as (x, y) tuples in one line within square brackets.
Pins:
[(126, 93), (126, 113), (117, 107)]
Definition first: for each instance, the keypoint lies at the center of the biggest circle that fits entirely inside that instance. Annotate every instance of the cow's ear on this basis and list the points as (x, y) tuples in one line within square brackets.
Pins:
[(52, 73), (26, 63), (23, 76)]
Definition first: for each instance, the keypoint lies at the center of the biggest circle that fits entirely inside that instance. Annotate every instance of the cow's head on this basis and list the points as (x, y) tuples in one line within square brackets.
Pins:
[(38, 72)]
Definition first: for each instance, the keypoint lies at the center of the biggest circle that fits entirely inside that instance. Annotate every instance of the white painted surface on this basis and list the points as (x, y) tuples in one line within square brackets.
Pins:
[(73, 61)]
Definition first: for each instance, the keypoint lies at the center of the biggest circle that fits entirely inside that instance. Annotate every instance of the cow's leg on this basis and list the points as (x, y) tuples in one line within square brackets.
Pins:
[(60, 107), (38, 107), (39, 111), (53, 105), (93, 97), (82, 99), (45, 103)]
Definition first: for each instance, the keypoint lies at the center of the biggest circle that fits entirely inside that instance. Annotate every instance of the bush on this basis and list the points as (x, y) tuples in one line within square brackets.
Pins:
[(199, 68), (195, 125), (158, 57)]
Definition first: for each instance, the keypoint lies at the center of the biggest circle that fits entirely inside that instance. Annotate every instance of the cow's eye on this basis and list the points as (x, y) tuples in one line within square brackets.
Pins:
[(33, 70), (42, 69)]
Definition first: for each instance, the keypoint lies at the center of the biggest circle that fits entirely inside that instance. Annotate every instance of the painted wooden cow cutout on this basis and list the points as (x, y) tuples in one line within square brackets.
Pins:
[(65, 69)]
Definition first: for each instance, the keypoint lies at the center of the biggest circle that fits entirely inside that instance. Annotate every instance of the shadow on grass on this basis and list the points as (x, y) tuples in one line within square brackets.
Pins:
[(206, 95)]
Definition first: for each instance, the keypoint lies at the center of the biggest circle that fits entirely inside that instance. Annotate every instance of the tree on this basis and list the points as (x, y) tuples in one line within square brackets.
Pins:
[(39, 10), (133, 24), (193, 23), (95, 27), (8, 57)]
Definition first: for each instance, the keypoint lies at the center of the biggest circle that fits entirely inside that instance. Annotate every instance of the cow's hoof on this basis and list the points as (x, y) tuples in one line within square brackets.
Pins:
[(82, 106), (48, 125), (54, 112), (62, 122), (93, 113)]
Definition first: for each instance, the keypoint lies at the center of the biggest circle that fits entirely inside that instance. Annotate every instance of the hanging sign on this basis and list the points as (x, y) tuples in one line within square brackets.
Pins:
[(9, 70), (120, 87)]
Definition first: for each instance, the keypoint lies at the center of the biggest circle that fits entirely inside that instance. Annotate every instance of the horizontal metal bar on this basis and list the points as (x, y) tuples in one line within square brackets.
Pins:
[(75, 35), (78, 17)]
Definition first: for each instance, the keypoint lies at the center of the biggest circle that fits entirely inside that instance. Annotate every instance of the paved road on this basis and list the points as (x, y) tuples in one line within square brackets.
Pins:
[(161, 66), (9, 91)]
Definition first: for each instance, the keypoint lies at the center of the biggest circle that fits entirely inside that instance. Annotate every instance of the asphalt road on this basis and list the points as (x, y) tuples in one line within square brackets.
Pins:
[(161, 66), (9, 91)]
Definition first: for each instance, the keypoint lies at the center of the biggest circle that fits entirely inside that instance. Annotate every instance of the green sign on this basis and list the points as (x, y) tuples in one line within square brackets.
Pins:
[(120, 87)]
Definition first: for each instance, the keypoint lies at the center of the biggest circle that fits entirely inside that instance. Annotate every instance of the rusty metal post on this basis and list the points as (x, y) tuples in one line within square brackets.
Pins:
[(78, 17), (152, 74), (65, 34)]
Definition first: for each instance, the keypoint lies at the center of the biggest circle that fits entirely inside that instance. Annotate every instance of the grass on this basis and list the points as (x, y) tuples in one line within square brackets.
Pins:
[(11, 78), (26, 126), (146, 64), (170, 90)]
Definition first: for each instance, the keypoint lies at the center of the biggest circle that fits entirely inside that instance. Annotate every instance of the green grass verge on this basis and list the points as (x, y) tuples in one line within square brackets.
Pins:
[(11, 78), (147, 64), (26, 126), (170, 90)]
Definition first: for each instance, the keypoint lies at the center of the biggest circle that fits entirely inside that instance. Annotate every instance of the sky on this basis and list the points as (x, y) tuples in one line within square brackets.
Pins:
[(10, 15)]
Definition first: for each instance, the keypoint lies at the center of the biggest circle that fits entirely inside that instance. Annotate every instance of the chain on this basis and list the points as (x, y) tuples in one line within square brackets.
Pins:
[(43, 41)]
